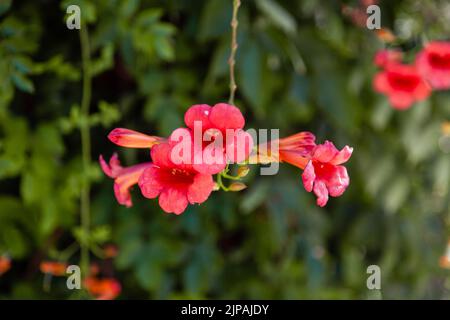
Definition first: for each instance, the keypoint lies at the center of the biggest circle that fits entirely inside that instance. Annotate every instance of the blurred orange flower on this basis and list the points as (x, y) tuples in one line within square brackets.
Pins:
[(444, 261), (111, 251), (53, 267), (103, 289), (445, 128), (94, 269), (5, 264)]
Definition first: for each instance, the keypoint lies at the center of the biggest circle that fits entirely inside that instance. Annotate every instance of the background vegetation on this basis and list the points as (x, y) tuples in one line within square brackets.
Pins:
[(301, 65)]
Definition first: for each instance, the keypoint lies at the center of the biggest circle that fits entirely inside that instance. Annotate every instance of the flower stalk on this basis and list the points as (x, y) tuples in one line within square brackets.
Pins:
[(234, 47), (85, 146)]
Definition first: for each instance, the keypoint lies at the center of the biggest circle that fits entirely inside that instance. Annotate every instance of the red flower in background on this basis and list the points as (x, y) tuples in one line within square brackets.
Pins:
[(324, 174), (402, 84), (124, 177), (225, 121), (110, 251), (383, 58), (433, 63), (53, 267), (103, 289), (5, 264), (358, 14), (177, 185)]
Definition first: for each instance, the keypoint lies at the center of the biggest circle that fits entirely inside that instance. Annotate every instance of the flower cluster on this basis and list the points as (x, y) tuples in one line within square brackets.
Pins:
[(405, 84), (182, 166)]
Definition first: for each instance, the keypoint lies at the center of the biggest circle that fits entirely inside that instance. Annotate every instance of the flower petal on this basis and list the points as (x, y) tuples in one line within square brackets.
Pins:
[(127, 178), (342, 156), (308, 176), (325, 152), (198, 112), (112, 169), (384, 57), (302, 143), (380, 82), (200, 189), (122, 195), (239, 147), (213, 167), (133, 139), (293, 158), (149, 183), (401, 100), (173, 200), (338, 181), (161, 154), (320, 190), (225, 116)]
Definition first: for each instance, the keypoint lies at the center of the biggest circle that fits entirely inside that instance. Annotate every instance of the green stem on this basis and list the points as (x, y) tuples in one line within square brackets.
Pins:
[(234, 46), (68, 252), (85, 146), (220, 183), (225, 175)]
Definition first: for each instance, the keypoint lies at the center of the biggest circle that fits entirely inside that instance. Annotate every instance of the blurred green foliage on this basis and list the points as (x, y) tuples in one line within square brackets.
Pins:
[(301, 65)]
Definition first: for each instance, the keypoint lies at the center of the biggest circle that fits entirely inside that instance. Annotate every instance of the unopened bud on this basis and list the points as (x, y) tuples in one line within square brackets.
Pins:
[(237, 186), (243, 171), (216, 186)]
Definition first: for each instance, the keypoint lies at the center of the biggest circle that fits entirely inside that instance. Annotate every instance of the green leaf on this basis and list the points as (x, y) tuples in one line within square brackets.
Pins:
[(23, 83), (104, 62), (215, 19), (4, 6), (251, 83), (278, 15), (255, 197)]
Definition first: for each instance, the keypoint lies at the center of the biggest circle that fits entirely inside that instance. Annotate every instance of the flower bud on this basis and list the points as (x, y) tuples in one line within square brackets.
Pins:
[(243, 171), (237, 186)]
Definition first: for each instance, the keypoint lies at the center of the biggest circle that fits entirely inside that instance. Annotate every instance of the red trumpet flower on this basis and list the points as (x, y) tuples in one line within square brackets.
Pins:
[(324, 173), (124, 177), (175, 184), (433, 63), (402, 84)]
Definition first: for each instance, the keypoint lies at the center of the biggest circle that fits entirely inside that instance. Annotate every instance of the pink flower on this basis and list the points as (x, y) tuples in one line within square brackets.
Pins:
[(433, 63), (324, 174), (385, 57), (124, 178), (133, 139), (402, 84), (176, 184), (221, 127)]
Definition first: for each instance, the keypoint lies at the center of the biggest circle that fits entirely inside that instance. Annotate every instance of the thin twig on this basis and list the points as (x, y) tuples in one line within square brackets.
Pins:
[(234, 46), (85, 147)]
